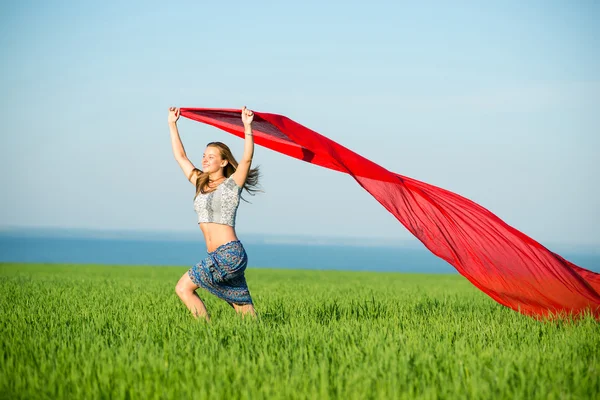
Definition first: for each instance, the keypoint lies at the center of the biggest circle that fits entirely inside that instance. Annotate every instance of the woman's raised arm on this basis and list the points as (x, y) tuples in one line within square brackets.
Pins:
[(241, 173), (178, 151)]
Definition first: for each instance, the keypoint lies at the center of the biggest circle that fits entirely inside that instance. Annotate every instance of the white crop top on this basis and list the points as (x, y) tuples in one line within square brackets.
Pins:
[(219, 206)]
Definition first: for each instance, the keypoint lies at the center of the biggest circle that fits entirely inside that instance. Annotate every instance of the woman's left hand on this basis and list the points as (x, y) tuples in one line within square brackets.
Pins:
[(247, 116)]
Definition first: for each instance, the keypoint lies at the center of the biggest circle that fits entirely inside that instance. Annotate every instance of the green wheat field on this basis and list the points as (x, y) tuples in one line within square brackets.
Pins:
[(121, 332)]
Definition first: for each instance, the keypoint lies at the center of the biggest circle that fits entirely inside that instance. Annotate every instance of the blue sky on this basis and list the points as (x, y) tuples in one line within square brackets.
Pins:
[(497, 102)]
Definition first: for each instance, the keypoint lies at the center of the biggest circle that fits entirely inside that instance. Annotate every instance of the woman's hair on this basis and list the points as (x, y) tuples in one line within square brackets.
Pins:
[(251, 184)]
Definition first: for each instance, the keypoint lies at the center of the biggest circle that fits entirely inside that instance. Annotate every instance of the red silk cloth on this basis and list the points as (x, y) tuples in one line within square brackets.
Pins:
[(507, 265)]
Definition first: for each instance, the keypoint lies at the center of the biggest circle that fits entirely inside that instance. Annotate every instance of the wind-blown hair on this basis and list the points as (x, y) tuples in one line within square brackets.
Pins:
[(251, 184)]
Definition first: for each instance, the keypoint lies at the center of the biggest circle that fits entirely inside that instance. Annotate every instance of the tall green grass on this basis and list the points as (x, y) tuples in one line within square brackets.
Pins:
[(96, 332)]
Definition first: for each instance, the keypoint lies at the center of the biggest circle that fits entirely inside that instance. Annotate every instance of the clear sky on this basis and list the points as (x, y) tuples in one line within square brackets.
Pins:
[(497, 102)]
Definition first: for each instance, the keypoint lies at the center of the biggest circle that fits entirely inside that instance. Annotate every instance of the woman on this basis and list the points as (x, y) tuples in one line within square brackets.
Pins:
[(218, 189)]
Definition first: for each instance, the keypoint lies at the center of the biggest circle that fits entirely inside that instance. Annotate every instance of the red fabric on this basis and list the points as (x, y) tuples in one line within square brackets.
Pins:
[(507, 265)]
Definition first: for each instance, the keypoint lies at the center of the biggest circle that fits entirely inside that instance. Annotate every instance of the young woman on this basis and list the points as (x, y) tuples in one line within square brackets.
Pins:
[(218, 189)]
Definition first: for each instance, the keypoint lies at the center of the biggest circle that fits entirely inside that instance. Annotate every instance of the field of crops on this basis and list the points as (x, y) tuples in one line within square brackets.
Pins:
[(88, 332)]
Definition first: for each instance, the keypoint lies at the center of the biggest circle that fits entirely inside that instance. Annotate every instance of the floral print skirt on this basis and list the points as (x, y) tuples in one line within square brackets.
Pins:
[(222, 273)]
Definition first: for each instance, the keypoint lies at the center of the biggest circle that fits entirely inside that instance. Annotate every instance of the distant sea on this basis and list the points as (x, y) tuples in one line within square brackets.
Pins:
[(49, 248)]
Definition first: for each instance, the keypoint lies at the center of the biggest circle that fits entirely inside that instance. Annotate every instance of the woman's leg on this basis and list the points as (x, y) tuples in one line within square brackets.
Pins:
[(186, 290), (244, 309)]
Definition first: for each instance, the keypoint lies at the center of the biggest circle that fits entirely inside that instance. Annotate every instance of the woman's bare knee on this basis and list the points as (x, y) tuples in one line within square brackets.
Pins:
[(185, 286), (244, 309)]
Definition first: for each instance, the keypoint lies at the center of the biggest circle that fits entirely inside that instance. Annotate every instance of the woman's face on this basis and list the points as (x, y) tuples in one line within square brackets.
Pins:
[(211, 160)]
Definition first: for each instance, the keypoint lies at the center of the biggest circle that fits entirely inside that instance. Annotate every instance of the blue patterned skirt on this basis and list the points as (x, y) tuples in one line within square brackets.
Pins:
[(222, 273)]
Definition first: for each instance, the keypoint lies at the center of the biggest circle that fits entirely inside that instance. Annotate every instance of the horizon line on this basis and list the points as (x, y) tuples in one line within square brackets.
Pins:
[(263, 238)]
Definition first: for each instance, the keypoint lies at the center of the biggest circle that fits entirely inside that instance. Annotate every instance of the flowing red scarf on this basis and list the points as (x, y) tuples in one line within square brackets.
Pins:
[(507, 265)]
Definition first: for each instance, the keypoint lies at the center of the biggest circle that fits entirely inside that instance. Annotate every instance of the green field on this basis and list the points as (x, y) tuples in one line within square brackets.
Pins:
[(92, 332)]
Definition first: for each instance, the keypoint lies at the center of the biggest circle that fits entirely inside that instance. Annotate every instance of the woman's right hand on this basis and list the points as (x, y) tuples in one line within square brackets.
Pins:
[(173, 115)]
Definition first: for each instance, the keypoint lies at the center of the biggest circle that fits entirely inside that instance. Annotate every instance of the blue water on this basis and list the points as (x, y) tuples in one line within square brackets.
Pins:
[(187, 253), (154, 252)]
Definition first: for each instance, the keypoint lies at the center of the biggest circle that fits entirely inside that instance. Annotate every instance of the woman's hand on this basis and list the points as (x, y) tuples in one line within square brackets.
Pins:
[(247, 116), (173, 115)]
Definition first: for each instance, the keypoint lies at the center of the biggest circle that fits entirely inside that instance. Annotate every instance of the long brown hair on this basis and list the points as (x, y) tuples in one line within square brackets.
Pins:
[(251, 184)]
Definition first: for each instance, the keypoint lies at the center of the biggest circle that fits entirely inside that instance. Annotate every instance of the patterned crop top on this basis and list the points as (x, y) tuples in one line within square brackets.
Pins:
[(219, 206)]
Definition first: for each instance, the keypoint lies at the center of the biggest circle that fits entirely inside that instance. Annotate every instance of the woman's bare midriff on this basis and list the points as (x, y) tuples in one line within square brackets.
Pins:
[(216, 235)]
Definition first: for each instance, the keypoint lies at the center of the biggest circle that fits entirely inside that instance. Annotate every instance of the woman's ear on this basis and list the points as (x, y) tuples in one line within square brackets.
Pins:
[(224, 163)]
